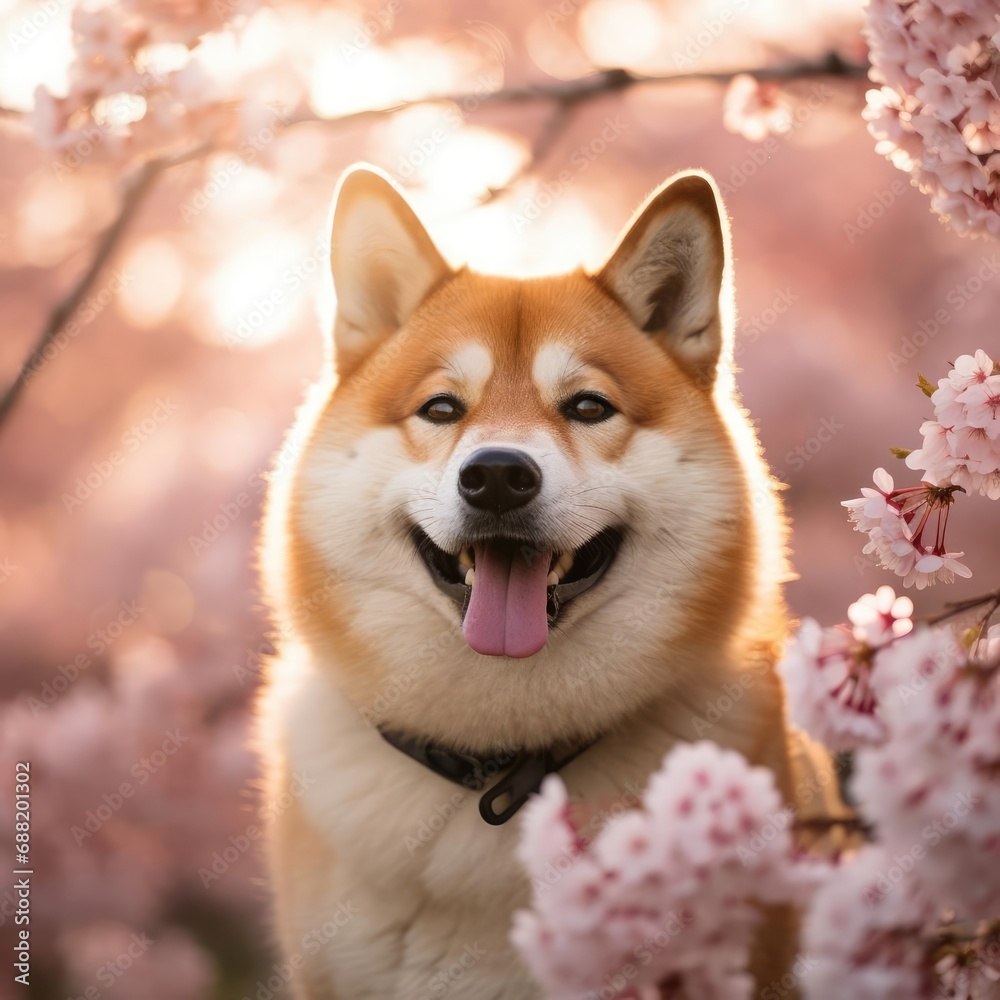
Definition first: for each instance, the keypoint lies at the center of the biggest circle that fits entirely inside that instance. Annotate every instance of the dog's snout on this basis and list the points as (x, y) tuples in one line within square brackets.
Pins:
[(499, 479)]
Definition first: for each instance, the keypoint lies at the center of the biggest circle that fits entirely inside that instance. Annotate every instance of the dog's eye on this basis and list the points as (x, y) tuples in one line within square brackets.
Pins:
[(588, 408), (441, 409)]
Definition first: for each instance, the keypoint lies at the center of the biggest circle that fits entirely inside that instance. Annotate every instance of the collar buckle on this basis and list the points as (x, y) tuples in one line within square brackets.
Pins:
[(525, 771)]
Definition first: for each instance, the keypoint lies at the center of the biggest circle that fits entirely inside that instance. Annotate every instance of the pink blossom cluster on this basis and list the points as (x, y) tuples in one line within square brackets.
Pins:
[(927, 779), (660, 902), (828, 672), (960, 453), (937, 113), (756, 108), (906, 530), (133, 789), (851, 686), (866, 943), (962, 444), (935, 778), (664, 893), (140, 83)]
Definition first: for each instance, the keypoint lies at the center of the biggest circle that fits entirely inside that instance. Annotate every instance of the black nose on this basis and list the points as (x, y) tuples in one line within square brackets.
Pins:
[(499, 479)]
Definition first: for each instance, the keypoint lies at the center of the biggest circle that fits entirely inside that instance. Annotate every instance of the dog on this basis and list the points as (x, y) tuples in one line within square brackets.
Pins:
[(529, 529)]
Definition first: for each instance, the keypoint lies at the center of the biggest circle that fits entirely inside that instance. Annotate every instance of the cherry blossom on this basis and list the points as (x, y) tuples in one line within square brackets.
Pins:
[(110, 862), (663, 893), (971, 369), (864, 935), (120, 105), (935, 458), (982, 405), (827, 673), (907, 916), (987, 649), (934, 782), (755, 108), (906, 530), (961, 445), (868, 511), (880, 617), (547, 831), (937, 113), (930, 784)]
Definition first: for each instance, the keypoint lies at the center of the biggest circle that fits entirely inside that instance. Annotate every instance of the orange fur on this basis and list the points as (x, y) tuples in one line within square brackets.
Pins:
[(369, 639)]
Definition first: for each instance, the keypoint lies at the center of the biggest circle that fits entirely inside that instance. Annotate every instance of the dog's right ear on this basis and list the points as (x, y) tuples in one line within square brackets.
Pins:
[(383, 264)]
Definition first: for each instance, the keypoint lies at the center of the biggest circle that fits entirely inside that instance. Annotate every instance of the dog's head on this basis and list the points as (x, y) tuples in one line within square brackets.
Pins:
[(530, 494)]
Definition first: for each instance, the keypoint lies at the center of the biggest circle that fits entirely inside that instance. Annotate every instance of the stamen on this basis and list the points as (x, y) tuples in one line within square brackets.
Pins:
[(923, 520)]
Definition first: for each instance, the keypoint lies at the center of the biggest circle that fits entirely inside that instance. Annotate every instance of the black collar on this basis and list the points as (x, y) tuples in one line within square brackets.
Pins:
[(525, 771)]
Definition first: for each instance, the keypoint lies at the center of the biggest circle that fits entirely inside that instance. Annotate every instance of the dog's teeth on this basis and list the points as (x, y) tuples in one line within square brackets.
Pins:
[(563, 566), (552, 579), (465, 558), (470, 577)]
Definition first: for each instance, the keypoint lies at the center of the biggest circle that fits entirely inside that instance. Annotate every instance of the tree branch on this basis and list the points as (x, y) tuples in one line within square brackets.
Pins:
[(607, 81), (824, 823), (552, 130), (137, 189), (566, 94), (956, 608)]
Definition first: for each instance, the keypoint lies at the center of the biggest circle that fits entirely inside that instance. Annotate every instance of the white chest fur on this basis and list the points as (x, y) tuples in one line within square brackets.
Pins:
[(428, 887)]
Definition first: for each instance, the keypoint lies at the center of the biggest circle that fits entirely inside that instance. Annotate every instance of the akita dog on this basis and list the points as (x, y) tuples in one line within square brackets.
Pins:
[(529, 529)]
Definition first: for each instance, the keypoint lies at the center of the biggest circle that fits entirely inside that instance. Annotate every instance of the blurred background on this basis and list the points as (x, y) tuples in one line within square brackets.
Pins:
[(197, 172)]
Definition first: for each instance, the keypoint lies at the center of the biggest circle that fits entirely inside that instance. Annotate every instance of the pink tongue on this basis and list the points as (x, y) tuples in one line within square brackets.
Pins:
[(506, 615)]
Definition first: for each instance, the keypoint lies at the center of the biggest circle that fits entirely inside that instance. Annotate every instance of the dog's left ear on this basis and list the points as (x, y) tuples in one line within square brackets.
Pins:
[(667, 271)]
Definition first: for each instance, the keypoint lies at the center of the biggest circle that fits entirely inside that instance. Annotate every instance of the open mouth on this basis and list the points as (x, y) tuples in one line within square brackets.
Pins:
[(511, 592)]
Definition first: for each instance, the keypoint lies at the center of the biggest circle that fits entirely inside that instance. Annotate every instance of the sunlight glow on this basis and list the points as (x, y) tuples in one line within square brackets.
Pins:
[(219, 55), (775, 21), (119, 109), (233, 187), (164, 57), (697, 34), (256, 294), (555, 49), (337, 87), (49, 210), (510, 238), (263, 39), (155, 271), (37, 51), (621, 32), (349, 78), (470, 162)]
